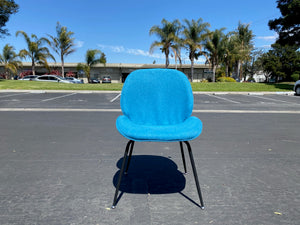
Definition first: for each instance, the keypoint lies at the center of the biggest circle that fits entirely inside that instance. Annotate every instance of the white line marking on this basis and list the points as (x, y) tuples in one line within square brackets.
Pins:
[(13, 95), (50, 99), (115, 98), (248, 111), (119, 110), (274, 100), (225, 99), (56, 110)]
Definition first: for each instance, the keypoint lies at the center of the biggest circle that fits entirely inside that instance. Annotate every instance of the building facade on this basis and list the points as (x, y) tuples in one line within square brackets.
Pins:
[(119, 71)]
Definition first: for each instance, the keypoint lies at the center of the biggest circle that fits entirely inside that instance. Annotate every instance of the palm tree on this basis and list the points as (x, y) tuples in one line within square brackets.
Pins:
[(244, 45), (168, 35), (92, 57), (194, 34), (35, 50), (10, 60), (62, 44), (215, 47), (229, 53)]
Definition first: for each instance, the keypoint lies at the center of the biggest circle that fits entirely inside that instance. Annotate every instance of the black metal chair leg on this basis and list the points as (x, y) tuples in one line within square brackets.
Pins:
[(129, 156), (195, 173), (129, 144), (183, 158)]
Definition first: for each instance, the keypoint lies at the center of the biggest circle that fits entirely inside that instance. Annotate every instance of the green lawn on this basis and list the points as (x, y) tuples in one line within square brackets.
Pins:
[(37, 85), (241, 87), (214, 87)]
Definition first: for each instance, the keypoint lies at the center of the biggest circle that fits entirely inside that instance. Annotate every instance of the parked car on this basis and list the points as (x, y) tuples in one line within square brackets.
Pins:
[(74, 80), (297, 87), (29, 77), (94, 81), (53, 78), (106, 79)]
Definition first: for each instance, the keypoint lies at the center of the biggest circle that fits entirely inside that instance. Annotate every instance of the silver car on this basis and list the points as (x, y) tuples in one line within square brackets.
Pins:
[(53, 78), (29, 77), (297, 87), (74, 80)]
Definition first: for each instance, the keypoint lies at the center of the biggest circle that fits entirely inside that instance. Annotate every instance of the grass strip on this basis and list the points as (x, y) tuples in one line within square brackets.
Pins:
[(213, 87)]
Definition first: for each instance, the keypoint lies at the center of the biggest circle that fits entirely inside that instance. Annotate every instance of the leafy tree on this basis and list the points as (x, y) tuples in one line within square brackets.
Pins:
[(62, 44), (215, 47), (92, 57), (7, 7), (35, 50), (103, 58), (194, 35), (287, 26), (10, 60), (254, 65), (281, 61), (168, 37)]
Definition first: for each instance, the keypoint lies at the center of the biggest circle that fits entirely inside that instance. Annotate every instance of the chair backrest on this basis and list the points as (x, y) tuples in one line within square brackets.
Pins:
[(157, 97)]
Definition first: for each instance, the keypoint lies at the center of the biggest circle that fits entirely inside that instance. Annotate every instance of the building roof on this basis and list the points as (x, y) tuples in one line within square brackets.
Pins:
[(126, 65)]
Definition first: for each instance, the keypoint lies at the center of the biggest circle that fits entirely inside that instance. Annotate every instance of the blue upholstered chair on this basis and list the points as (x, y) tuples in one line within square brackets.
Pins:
[(157, 105)]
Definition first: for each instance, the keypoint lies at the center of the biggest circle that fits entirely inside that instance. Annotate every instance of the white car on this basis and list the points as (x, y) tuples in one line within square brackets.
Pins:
[(297, 87), (74, 80), (29, 77), (53, 78)]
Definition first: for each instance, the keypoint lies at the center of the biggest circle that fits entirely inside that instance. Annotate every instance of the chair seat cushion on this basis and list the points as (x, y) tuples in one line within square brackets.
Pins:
[(185, 131)]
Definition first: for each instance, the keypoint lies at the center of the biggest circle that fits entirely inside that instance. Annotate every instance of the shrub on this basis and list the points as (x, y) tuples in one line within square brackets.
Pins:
[(54, 72), (3, 76), (70, 74), (225, 79), (25, 73), (295, 76)]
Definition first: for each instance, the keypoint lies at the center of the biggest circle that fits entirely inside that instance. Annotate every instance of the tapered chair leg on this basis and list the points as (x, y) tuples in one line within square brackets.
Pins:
[(129, 156), (183, 158), (128, 146), (195, 173)]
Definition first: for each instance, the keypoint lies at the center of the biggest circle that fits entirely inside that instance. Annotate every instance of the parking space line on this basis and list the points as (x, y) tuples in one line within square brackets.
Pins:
[(14, 95), (249, 111), (115, 98), (274, 100), (225, 99), (56, 110), (50, 99)]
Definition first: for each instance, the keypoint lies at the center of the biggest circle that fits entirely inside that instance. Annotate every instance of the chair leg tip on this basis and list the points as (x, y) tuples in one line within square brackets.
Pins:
[(113, 207), (202, 207)]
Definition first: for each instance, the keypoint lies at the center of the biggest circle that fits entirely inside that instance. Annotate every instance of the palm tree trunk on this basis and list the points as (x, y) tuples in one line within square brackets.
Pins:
[(192, 69), (214, 73), (33, 67), (62, 66), (167, 59), (239, 69), (227, 70)]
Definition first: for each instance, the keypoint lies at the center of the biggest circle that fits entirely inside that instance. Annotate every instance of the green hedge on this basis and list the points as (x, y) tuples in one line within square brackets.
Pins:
[(225, 79)]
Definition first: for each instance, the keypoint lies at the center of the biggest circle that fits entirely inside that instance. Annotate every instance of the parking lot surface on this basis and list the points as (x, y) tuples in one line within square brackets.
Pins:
[(60, 154)]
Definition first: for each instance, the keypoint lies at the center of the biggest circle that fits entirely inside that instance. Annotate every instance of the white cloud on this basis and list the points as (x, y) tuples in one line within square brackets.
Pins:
[(131, 51), (79, 44), (117, 48), (268, 38)]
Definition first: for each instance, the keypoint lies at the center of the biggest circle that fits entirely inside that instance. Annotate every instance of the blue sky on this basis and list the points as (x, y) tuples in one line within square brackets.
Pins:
[(120, 28)]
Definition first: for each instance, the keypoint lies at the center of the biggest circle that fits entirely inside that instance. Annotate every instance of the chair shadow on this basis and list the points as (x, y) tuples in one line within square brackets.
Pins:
[(148, 174)]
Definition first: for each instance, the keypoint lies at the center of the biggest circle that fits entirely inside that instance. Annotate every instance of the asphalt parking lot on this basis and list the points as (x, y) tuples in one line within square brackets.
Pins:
[(60, 154)]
